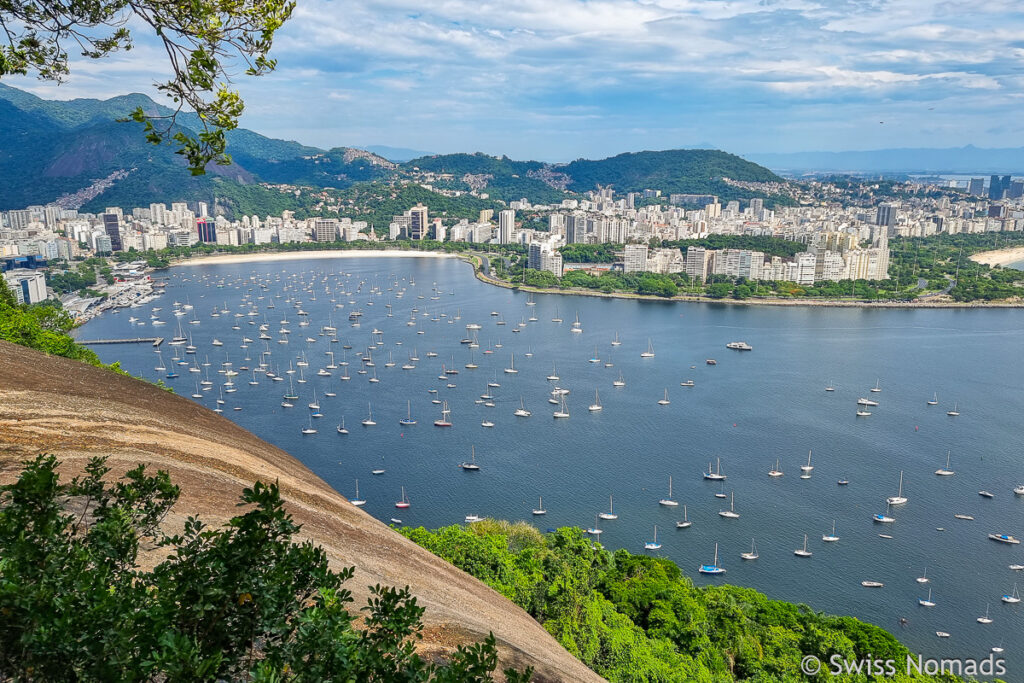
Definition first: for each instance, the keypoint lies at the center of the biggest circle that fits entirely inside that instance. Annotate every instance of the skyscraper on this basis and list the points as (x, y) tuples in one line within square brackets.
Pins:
[(207, 231), (418, 224), (112, 226), (886, 215), (506, 226)]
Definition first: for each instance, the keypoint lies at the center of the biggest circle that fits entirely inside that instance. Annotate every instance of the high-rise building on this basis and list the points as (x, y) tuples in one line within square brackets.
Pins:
[(204, 210), (418, 225), (756, 207), (1016, 190), (976, 186), (997, 186), (29, 286), (506, 226), (207, 231), (634, 258), (112, 226), (325, 230), (486, 215), (886, 215), (698, 262)]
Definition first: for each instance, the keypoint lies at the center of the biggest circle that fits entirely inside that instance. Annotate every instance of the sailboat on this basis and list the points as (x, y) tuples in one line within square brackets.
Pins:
[(664, 401), (611, 511), (553, 377), (341, 427), (899, 498), (368, 421), (883, 519), (562, 410), (685, 523), (831, 538), (775, 471), (985, 619), (731, 512), (712, 568), (511, 369), (404, 503), (653, 545), (945, 471), (596, 405), (539, 510), (829, 387), (522, 411), (717, 474), (314, 404), (926, 602), (752, 555), (808, 467), (594, 358), (357, 501), (803, 552), (668, 502), (310, 429), (616, 342), (594, 530), (471, 465), (649, 353), (576, 328), (877, 387), (444, 421), (379, 470), (935, 399), (407, 420), (1013, 598), (924, 577), (556, 319), (954, 412), (619, 382)]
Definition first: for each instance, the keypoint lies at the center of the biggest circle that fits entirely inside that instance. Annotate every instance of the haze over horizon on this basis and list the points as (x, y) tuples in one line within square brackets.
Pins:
[(563, 80)]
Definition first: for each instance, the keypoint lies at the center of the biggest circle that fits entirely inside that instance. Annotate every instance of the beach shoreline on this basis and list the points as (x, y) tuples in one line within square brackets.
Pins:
[(999, 257), (217, 259)]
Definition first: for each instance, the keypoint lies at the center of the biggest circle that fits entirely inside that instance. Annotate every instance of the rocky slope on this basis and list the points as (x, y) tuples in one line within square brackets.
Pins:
[(55, 405)]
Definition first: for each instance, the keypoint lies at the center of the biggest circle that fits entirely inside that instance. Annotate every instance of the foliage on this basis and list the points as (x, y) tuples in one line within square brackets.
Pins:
[(202, 38), (638, 618), (40, 327), (243, 602), (770, 246)]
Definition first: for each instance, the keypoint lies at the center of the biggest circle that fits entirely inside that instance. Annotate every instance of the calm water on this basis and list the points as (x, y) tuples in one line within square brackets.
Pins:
[(749, 410)]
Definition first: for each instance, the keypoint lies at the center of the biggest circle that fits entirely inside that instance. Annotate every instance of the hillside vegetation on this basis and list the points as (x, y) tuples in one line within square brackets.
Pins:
[(639, 618)]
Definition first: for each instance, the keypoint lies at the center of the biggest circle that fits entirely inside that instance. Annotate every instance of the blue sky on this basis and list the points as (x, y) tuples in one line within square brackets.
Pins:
[(561, 79)]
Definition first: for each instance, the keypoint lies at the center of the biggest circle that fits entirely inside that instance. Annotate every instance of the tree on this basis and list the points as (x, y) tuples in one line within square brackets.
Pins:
[(203, 39), (242, 602)]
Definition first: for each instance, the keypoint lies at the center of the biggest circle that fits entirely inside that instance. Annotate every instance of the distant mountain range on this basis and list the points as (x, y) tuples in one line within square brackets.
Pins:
[(953, 160), (51, 148)]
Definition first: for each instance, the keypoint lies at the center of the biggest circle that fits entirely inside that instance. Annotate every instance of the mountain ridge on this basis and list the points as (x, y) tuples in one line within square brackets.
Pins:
[(941, 160)]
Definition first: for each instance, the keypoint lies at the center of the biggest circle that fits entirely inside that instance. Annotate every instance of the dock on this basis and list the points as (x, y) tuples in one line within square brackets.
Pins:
[(155, 341)]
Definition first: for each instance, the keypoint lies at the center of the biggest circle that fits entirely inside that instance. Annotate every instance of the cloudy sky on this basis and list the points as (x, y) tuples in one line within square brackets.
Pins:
[(561, 79)]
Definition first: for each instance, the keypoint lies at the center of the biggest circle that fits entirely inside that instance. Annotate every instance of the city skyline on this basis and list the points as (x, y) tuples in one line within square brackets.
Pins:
[(566, 80)]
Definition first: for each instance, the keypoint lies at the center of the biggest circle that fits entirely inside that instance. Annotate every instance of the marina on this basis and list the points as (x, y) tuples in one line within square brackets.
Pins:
[(743, 414)]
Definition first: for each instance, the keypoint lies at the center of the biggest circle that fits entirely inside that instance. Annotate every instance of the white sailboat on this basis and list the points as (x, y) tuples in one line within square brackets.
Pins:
[(404, 503), (808, 467), (616, 342), (685, 523), (1013, 598), (877, 387), (611, 511), (668, 502), (511, 369), (521, 411), (368, 420), (562, 411), (899, 498), (717, 474), (985, 619), (576, 327), (883, 519), (357, 501), (731, 512), (471, 465), (595, 530), (775, 471), (619, 382), (341, 427), (596, 405), (653, 545), (831, 538), (945, 471), (664, 401), (924, 577), (927, 602), (803, 552), (310, 429), (539, 510), (553, 377), (935, 399), (954, 412), (649, 353), (752, 555)]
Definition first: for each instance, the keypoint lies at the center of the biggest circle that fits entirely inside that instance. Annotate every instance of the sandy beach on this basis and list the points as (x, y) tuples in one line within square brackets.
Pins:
[(1000, 257), (300, 255)]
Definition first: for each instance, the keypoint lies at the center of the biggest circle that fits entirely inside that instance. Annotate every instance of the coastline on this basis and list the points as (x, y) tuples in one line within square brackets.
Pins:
[(216, 259), (821, 303), (999, 257)]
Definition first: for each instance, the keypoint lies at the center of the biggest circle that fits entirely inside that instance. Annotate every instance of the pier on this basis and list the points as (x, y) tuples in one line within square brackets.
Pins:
[(155, 341)]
